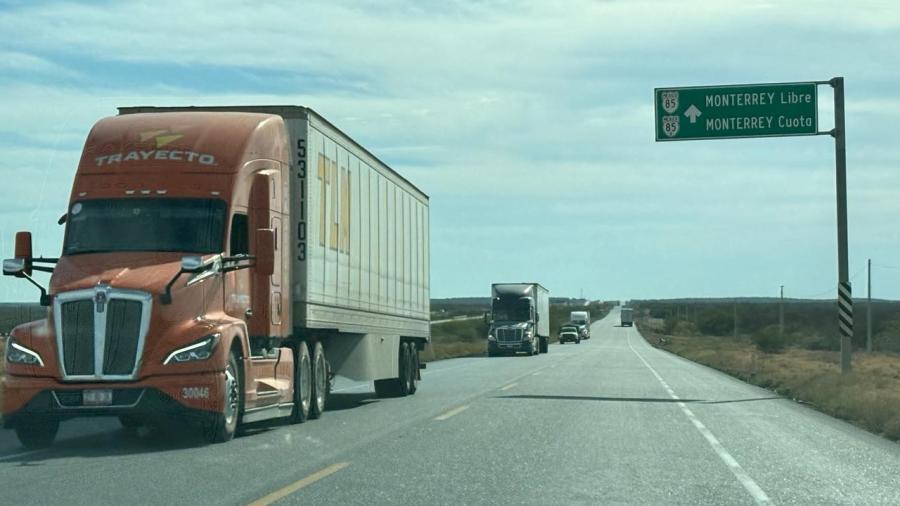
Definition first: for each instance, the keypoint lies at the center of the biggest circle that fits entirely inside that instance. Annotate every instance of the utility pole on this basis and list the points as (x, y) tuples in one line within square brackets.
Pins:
[(845, 296), (781, 314), (869, 311)]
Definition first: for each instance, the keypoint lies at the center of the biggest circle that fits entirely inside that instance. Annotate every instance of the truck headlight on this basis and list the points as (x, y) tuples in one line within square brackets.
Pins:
[(528, 334), (201, 349), (18, 354)]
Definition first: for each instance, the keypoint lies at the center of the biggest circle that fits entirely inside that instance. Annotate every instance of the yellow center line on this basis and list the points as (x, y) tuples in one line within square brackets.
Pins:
[(297, 485), (507, 387), (452, 412)]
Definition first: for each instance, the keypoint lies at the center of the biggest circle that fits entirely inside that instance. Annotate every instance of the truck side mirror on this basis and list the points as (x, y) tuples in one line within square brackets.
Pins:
[(23, 251), (13, 266), (537, 317), (265, 251)]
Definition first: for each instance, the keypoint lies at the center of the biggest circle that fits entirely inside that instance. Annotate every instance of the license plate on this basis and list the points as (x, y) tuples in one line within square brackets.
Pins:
[(97, 397)]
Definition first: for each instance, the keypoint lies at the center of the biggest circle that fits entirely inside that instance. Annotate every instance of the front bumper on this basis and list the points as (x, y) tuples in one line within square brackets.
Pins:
[(189, 398), (512, 347)]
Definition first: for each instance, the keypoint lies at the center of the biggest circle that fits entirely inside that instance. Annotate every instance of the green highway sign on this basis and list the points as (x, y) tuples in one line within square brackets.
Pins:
[(744, 110)]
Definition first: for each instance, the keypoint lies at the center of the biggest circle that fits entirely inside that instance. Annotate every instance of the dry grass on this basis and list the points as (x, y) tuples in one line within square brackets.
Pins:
[(437, 350), (869, 396)]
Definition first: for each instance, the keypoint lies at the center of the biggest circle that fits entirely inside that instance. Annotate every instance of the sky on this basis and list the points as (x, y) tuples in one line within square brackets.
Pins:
[(529, 124)]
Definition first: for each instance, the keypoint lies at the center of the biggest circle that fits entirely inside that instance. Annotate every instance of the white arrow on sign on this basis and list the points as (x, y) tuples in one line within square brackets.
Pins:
[(692, 112)]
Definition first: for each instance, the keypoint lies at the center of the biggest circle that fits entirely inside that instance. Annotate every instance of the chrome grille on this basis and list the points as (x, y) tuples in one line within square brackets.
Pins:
[(100, 332), (123, 327), (509, 335), (78, 332)]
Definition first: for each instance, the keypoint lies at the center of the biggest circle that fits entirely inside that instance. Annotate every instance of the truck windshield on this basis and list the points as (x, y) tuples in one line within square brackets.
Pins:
[(518, 310), (134, 224)]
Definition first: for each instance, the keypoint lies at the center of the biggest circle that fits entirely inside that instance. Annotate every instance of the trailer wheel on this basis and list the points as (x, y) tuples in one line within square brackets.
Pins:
[(224, 424), (399, 386), (36, 434), (320, 381), (302, 384), (413, 369), (545, 345)]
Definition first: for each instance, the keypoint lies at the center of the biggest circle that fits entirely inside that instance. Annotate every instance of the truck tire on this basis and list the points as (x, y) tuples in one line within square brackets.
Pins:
[(577, 341), (37, 434), (545, 345), (303, 389), (319, 381), (224, 424), (413, 369), (399, 386)]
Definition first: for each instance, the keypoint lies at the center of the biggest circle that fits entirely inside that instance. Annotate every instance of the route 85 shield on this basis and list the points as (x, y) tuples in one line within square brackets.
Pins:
[(670, 125), (670, 101)]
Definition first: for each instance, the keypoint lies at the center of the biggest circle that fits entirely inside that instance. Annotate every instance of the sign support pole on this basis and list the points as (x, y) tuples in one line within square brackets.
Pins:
[(845, 298)]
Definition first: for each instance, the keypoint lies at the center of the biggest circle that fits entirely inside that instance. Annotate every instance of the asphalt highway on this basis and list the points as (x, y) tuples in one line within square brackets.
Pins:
[(610, 420)]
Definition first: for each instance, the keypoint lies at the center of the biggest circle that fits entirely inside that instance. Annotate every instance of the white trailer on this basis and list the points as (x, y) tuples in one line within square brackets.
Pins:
[(358, 254), (626, 317)]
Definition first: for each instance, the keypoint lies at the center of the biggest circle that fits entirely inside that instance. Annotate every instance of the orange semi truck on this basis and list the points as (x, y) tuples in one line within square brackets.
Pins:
[(220, 265)]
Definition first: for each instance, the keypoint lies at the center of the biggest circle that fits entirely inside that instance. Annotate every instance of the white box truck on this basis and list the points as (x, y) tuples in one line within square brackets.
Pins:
[(626, 317), (520, 319)]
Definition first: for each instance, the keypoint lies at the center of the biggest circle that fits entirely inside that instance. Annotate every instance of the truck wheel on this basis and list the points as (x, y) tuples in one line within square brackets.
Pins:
[(578, 341), (399, 386), (544, 345), (302, 384), (320, 381), (224, 424), (36, 434), (413, 369)]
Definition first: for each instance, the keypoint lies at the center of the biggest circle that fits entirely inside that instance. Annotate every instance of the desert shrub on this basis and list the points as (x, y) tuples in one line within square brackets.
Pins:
[(768, 340)]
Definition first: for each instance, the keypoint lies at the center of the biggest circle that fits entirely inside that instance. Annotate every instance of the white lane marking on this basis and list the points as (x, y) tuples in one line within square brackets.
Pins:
[(536, 373), (297, 485), (507, 387), (749, 484), (452, 412)]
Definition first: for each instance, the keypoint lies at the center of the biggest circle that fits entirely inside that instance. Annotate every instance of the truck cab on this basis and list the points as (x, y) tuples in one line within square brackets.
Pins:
[(583, 320), (519, 319)]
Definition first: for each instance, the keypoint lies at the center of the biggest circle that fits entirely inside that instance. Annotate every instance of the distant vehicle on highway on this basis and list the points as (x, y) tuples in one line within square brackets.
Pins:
[(583, 320), (520, 319), (206, 276), (626, 317), (570, 332)]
